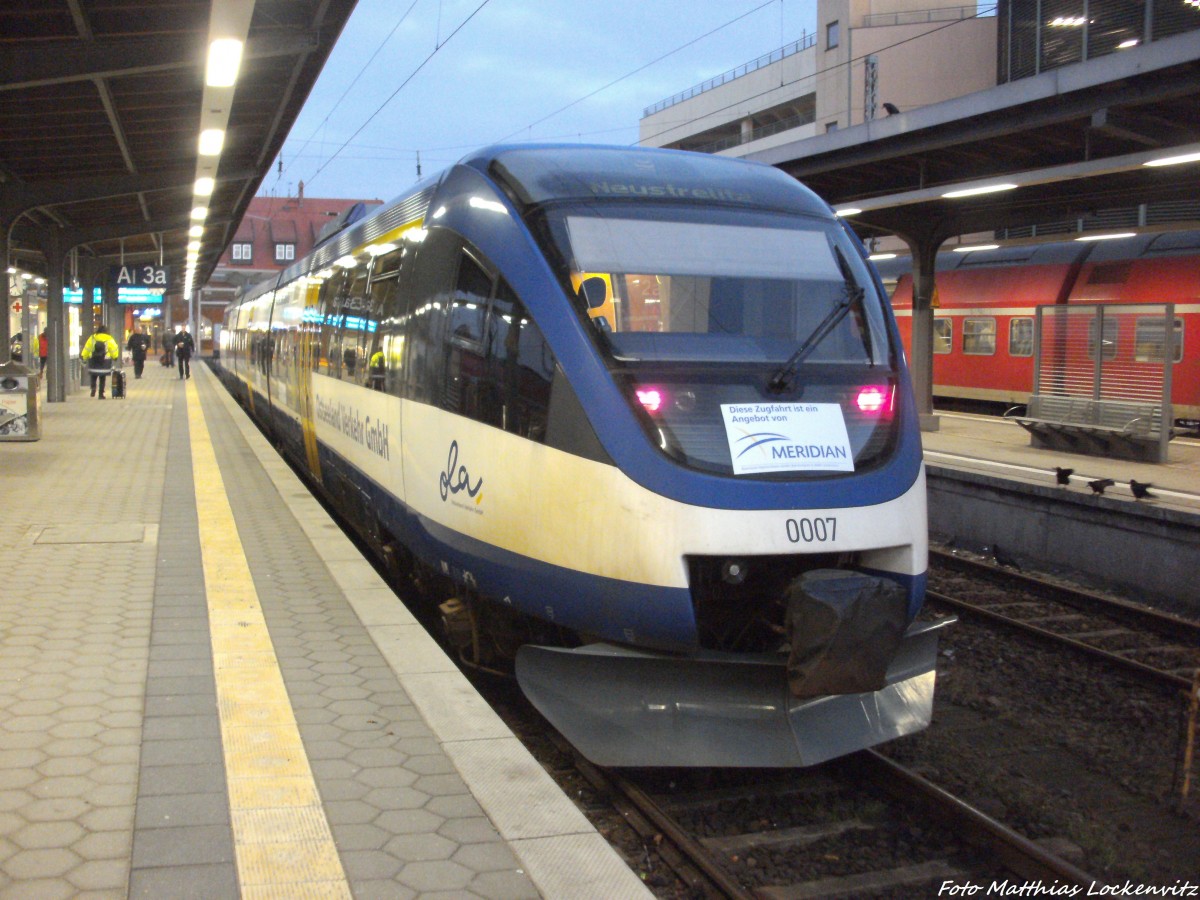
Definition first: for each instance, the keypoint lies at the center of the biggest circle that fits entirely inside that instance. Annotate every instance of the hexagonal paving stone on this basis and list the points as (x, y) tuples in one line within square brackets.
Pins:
[(437, 875)]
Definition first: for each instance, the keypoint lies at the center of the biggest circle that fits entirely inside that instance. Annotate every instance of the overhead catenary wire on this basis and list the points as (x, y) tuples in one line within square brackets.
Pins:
[(441, 43), (401, 87), (337, 103), (640, 68)]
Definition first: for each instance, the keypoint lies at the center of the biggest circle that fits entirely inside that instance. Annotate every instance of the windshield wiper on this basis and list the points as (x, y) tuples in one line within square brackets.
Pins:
[(782, 379)]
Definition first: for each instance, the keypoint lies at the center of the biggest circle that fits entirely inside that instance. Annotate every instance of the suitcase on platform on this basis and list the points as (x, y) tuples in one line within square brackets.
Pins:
[(118, 384)]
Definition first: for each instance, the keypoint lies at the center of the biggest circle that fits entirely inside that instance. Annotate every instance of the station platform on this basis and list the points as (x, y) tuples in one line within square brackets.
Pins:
[(993, 446), (206, 691)]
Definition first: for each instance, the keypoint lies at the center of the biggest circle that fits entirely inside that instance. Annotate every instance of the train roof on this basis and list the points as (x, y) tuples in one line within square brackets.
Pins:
[(541, 173), (1138, 246)]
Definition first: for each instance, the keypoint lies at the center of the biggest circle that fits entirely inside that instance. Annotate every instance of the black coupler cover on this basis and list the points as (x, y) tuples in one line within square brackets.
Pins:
[(845, 628)]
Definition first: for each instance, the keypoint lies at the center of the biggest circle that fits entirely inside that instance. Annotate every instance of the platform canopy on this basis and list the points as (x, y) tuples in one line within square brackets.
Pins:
[(1072, 142), (101, 108)]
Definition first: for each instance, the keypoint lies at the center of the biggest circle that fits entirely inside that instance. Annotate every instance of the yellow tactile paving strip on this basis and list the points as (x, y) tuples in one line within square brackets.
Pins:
[(281, 838)]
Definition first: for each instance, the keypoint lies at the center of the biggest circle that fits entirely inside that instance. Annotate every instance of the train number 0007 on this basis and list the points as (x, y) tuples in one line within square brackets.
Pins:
[(812, 531)]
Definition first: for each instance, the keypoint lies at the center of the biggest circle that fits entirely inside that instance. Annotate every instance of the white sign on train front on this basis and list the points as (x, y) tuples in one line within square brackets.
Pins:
[(787, 437)]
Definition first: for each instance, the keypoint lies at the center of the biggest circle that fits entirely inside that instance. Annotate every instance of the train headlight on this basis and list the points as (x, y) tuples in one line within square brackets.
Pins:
[(874, 399), (651, 399)]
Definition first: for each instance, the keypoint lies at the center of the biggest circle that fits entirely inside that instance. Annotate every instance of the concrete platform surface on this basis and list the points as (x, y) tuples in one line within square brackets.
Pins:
[(205, 691)]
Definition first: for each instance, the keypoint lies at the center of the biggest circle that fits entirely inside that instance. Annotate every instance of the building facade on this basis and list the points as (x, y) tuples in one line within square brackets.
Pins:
[(871, 58), (867, 59)]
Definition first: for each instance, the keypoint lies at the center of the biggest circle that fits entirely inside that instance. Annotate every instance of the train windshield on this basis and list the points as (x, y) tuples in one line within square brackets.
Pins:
[(723, 292), (701, 309)]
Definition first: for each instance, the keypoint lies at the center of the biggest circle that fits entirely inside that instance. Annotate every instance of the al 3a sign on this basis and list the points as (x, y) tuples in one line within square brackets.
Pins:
[(140, 276)]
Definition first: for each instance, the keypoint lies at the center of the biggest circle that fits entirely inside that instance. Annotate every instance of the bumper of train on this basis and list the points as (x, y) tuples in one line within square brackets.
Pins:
[(623, 707)]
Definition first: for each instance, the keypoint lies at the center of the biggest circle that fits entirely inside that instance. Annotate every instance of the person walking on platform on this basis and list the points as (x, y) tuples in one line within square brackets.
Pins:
[(138, 345), (184, 345), (100, 351), (43, 350)]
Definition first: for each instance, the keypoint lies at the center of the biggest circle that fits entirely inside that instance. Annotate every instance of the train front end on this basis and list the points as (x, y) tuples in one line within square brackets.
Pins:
[(753, 525)]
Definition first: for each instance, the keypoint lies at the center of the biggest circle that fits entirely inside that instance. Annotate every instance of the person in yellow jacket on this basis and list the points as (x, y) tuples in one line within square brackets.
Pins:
[(98, 355)]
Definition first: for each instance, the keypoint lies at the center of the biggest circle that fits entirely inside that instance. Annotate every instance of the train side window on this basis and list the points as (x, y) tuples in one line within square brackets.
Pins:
[(979, 336), (433, 274), (943, 335), (1148, 339), (384, 296), (520, 368), (355, 326), (1020, 336), (327, 321)]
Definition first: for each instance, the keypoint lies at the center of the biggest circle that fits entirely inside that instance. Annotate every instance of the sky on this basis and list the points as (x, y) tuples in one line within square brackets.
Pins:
[(435, 79)]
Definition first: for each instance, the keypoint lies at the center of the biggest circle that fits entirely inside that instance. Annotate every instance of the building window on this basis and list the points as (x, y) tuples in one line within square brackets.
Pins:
[(979, 337), (1020, 336), (943, 335), (285, 252), (242, 252), (830, 126), (832, 35)]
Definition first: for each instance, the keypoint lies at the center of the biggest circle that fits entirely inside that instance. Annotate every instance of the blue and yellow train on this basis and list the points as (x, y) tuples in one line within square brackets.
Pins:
[(648, 412)]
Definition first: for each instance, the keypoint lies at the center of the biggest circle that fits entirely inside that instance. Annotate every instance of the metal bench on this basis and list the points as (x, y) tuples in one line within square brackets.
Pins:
[(1129, 429)]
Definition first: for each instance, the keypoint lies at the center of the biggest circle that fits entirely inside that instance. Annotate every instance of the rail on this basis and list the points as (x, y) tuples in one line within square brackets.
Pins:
[(1159, 646)]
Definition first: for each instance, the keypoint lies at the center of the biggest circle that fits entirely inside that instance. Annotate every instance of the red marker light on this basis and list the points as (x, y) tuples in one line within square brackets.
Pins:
[(651, 398), (873, 399)]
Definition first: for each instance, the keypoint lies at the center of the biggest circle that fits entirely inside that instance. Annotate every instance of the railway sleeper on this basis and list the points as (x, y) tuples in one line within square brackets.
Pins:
[(799, 836), (926, 873)]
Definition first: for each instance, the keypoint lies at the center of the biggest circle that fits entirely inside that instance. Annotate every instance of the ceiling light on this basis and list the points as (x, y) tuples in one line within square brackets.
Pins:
[(346, 262), (200, 212), (878, 256), (211, 141), (224, 58), (194, 246), (1174, 160), (848, 211), (970, 247), (1106, 237), (976, 191), (196, 231), (1125, 45), (204, 187)]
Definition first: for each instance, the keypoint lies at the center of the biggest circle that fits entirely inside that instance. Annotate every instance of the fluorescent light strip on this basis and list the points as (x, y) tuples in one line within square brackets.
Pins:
[(976, 191), (224, 60), (1174, 160)]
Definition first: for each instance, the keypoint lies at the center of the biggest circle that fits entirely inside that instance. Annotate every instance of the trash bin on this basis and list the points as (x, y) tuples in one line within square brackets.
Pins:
[(18, 403)]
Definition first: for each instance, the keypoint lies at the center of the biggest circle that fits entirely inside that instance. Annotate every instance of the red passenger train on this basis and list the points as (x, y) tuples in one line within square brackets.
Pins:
[(987, 301)]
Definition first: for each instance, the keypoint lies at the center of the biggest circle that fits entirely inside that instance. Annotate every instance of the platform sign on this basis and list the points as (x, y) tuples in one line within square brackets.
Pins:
[(146, 276), (139, 295), (126, 295), (787, 437), (75, 295)]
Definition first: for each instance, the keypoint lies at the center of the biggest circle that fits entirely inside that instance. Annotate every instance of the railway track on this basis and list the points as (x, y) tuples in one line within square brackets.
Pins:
[(863, 826), (1157, 645)]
